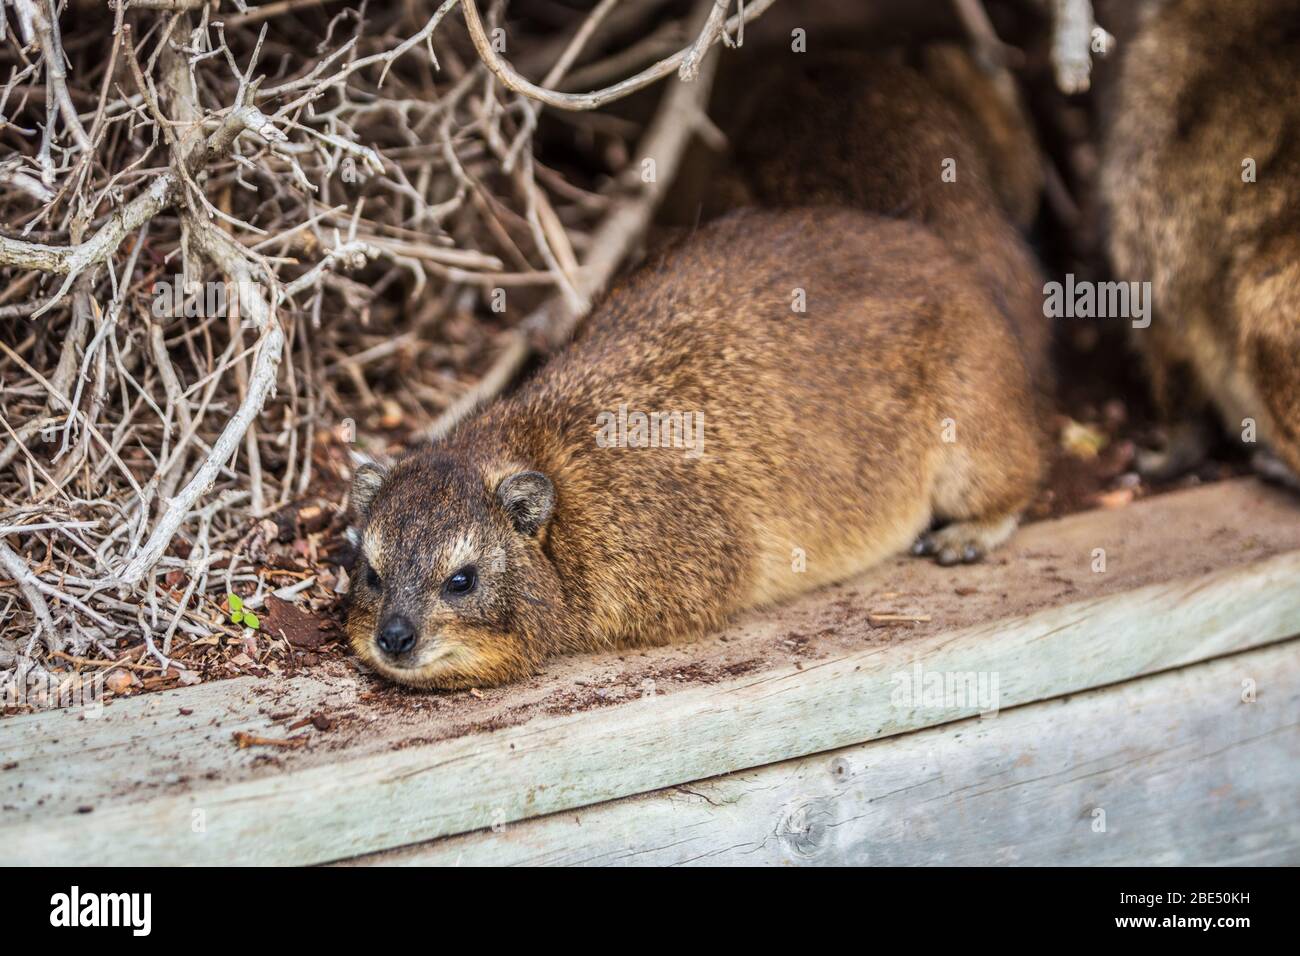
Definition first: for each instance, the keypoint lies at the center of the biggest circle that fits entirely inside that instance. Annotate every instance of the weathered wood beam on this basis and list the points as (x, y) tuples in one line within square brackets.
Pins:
[(1175, 769)]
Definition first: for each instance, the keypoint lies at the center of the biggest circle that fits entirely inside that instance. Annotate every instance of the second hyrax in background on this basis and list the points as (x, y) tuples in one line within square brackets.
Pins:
[(782, 401), (1201, 178), (922, 134)]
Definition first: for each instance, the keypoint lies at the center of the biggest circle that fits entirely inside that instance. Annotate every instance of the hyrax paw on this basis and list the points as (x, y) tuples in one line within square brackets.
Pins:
[(947, 549), (963, 542), (1187, 447), (1273, 469)]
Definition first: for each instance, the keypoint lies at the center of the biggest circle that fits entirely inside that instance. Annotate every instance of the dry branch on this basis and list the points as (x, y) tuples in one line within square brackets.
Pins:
[(1075, 30), (27, 582), (253, 303)]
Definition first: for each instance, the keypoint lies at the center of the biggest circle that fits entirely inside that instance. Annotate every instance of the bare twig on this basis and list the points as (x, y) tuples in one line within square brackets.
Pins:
[(35, 25), (690, 67), (1075, 32), (28, 584), (253, 303), (596, 98)]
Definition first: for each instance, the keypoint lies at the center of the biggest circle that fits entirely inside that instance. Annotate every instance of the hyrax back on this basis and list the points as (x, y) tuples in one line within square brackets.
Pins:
[(1200, 176), (925, 135), (847, 380)]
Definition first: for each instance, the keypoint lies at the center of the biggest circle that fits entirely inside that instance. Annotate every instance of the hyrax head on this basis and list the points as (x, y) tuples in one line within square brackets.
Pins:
[(451, 587)]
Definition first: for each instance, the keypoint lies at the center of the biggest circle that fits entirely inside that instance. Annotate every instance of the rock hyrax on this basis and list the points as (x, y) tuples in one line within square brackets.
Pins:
[(781, 401), (1201, 178)]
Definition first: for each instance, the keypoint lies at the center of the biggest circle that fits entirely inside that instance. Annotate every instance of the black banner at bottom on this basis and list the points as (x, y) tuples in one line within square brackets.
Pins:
[(934, 907)]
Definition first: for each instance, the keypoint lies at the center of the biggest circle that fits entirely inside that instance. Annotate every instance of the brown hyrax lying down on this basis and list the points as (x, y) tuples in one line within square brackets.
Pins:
[(1201, 177), (781, 401)]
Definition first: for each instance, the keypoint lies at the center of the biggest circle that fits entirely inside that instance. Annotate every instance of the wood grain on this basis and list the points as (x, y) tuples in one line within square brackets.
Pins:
[(1174, 769)]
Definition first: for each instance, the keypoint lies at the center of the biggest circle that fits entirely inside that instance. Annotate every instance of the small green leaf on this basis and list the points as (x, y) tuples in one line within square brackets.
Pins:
[(236, 603), (236, 617), (250, 619)]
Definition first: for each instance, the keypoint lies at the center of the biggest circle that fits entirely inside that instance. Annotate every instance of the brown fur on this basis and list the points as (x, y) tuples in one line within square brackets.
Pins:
[(873, 131), (1204, 85), (824, 430)]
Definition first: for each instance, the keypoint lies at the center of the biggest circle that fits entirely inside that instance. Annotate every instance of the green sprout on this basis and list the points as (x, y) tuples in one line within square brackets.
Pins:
[(240, 615)]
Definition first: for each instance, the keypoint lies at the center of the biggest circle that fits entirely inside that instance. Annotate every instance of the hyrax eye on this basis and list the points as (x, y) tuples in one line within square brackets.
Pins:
[(372, 577), (462, 582)]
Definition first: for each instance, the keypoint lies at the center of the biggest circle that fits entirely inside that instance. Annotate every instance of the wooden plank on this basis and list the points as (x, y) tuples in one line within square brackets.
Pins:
[(388, 800), (1189, 576), (1174, 769)]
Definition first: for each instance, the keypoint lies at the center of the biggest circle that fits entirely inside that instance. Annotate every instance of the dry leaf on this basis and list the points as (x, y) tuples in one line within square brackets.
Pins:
[(1082, 441), (119, 681)]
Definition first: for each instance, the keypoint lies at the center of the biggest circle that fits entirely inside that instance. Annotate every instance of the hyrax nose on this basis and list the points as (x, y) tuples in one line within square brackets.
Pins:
[(397, 636)]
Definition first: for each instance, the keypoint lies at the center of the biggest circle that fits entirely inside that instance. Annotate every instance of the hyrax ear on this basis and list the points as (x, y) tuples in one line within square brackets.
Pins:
[(367, 481), (529, 499)]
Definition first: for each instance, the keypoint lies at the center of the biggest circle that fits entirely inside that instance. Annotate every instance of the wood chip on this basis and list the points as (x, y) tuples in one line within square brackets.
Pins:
[(898, 618)]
